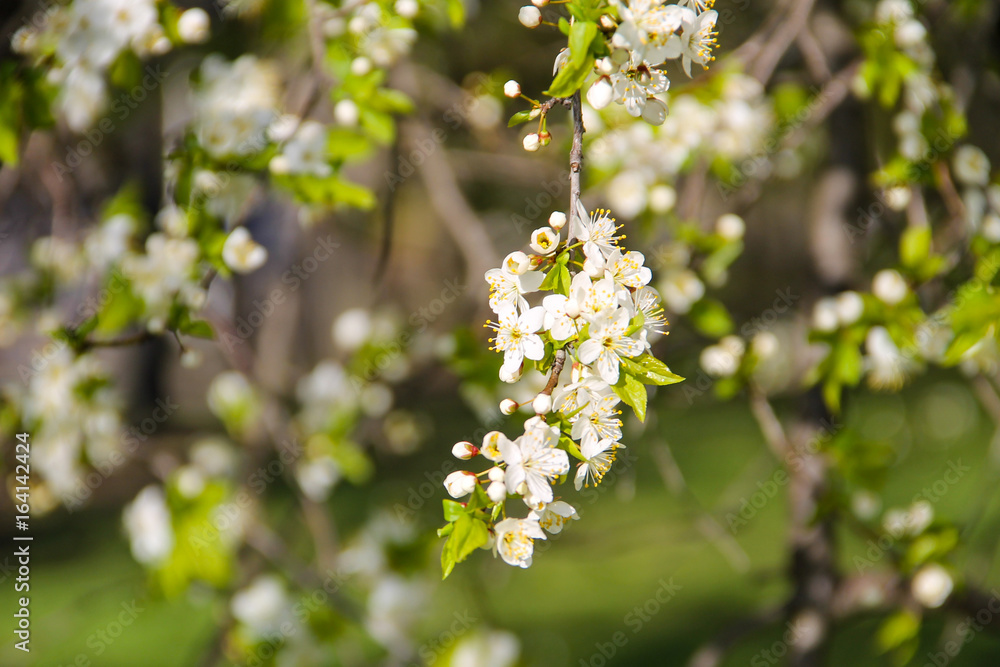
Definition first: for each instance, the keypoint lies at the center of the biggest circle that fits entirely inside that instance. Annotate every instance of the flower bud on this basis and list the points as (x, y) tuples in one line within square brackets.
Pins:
[(601, 93), (825, 315), (850, 307), (531, 143), (730, 227), (407, 8), (557, 220), (346, 113), (460, 483), (497, 492), (542, 404), (193, 26), (539, 3), (529, 16), (508, 406), (191, 358), (932, 585), (544, 138), (496, 474), (889, 287), (512, 89), (544, 241), (464, 450)]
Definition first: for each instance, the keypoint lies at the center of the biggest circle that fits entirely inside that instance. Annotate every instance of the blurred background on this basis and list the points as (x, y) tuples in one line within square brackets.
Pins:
[(291, 468)]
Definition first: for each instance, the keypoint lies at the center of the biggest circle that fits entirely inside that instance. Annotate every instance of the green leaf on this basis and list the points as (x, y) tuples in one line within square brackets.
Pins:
[(198, 329), (915, 246), (453, 510), (121, 309), (345, 144), (651, 370), (520, 117), (632, 392), (569, 445), (581, 62), (456, 13), (711, 318), (468, 535), (557, 280), (898, 629), (446, 530), (581, 34)]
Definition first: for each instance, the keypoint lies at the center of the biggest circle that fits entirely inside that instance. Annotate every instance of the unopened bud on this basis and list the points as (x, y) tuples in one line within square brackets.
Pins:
[(497, 492), (464, 450), (508, 406), (557, 220), (512, 89), (529, 16), (542, 404)]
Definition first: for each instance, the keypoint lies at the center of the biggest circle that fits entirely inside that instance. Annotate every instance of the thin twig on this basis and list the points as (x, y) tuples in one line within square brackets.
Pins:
[(770, 425)]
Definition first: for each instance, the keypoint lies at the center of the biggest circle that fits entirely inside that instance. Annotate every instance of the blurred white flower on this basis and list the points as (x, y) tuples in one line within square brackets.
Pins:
[(889, 287), (262, 606), (147, 521), (193, 26), (932, 585), (241, 253), (972, 167)]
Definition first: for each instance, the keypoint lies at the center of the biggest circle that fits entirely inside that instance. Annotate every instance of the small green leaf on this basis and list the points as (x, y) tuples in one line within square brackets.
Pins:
[(632, 392), (915, 246), (468, 535), (557, 280), (520, 117), (651, 370), (581, 34), (453, 510), (711, 318), (198, 329)]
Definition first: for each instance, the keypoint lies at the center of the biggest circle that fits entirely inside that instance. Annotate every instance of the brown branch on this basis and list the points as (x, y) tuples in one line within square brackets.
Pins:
[(557, 366), (772, 51), (706, 524), (458, 217), (714, 652), (576, 155), (770, 425)]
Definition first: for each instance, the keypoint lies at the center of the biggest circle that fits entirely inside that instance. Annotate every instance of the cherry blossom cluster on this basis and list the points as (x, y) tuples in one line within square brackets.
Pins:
[(81, 42), (591, 336), (627, 43)]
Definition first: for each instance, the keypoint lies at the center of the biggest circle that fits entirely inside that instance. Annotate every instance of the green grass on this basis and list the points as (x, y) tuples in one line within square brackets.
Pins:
[(586, 582)]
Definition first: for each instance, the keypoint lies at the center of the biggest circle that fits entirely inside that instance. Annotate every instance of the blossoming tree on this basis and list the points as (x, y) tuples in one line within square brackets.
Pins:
[(279, 122)]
